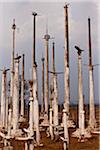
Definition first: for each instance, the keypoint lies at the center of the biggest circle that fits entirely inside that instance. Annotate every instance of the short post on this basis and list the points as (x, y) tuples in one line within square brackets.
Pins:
[(66, 136), (31, 134), (51, 119), (9, 122), (31, 109), (3, 98), (7, 99)]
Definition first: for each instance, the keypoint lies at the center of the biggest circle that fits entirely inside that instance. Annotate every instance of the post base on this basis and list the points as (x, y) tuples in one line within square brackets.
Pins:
[(81, 134)]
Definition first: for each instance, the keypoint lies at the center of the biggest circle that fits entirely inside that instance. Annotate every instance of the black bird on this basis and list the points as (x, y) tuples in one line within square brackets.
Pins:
[(79, 50), (17, 58)]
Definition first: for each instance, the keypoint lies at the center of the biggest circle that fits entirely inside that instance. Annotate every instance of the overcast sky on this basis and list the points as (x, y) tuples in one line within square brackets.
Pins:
[(79, 11)]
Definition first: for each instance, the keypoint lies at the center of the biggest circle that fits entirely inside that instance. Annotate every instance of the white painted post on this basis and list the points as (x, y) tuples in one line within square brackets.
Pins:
[(7, 99), (30, 143), (83, 122), (22, 112), (3, 99), (9, 122), (66, 136), (31, 110), (42, 105), (46, 37), (92, 119), (12, 63), (16, 96), (80, 90), (55, 101), (36, 104), (51, 124)]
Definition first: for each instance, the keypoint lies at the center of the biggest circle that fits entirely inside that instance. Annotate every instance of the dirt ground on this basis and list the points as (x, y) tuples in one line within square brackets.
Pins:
[(91, 144)]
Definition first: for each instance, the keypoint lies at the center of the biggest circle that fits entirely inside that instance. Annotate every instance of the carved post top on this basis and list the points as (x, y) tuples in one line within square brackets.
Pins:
[(14, 25)]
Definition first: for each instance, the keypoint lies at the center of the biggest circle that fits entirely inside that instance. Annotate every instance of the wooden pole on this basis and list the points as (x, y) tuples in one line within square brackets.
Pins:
[(80, 88), (12, 63), (66, 136), (22, 89), (46, 37), (3, 99), (92, 119), (43, 108), (35, 85), (36, 105), (16, 95), (31, 109), (66, 62)]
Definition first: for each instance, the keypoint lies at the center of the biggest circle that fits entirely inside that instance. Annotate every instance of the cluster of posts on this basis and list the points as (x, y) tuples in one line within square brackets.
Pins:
[(11, 117)]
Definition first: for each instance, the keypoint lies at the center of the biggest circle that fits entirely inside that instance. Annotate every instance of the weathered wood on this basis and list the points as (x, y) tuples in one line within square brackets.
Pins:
[(66, 136), (16, 96), (36, 104), (22, 111), (3, 98), (46, 37), (43, 92), (12, 63), (66, 62), (31, 133), (9, 121), (92, 119), (51, 124), (80, 90)]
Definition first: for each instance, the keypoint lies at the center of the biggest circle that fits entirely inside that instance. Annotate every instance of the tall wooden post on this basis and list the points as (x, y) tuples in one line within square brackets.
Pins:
[(66, 62), (55, 99), (55, 88), (12, 63), (42, 108), (92, 119), (80, 89), (35, 84), (46, 37), (53, 56), (22, 91), (16, 95), (81, 132)]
